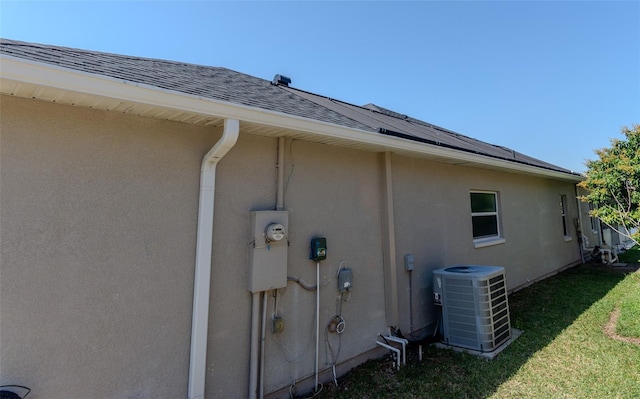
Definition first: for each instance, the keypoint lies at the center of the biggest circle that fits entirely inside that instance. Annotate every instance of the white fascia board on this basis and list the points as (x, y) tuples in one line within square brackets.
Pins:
[(38, 73)]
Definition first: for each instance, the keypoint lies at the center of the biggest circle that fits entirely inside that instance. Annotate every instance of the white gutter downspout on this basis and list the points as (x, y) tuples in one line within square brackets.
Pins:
[(204, 243)]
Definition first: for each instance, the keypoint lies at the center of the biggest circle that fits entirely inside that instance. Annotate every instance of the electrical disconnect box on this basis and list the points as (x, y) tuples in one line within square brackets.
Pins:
[(268, 251), (318, 249), (345, 280), (408, 262)]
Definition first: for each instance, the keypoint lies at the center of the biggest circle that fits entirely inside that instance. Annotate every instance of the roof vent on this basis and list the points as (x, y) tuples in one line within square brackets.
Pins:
[(281, 80)]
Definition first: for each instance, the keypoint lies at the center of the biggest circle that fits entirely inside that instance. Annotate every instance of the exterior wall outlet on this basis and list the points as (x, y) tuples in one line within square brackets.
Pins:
[(278, 325)]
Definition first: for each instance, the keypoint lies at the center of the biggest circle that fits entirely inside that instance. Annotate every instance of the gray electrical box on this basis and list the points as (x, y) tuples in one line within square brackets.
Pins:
[(345, 280), (408, 262), (268, 250)]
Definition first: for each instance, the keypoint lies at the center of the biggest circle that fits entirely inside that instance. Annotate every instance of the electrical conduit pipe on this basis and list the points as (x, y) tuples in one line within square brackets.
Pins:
[(263, 336), (280, 188), (317, 321), (257, 354), (204, 244), (255, 334)]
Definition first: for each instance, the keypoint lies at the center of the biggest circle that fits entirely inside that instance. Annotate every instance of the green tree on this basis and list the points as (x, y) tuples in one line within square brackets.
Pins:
[(613, 184)]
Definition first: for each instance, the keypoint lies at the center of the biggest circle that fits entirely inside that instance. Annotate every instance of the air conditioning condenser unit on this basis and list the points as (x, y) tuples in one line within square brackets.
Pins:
[(475, 310)]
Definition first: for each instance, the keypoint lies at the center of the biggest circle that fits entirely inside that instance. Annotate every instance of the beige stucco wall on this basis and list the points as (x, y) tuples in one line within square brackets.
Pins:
[(98, 214), (330, 192), (433, 222)]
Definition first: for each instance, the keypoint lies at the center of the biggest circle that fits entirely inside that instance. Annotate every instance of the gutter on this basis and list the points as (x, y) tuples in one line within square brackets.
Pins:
[(462, 149), (204, 244)]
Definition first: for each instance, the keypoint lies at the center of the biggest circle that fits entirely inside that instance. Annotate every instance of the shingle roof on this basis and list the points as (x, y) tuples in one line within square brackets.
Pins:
[(238, 88), (210, 82)]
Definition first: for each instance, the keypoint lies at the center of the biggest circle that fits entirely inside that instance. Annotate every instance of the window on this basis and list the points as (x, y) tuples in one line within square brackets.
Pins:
[(485, 218), (563, 214)]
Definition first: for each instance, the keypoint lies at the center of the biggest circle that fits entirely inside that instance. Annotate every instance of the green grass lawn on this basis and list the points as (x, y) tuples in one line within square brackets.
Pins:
[(630, 256), (629, 320), (562, 353)]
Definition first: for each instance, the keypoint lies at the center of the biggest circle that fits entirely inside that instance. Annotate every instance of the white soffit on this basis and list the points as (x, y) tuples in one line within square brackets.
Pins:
[(44, 82)]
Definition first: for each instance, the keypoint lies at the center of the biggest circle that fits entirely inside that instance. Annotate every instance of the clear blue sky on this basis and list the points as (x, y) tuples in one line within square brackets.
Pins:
[(552, 79)]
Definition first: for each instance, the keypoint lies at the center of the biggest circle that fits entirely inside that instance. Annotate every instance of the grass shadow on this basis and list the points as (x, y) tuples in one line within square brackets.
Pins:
[(543, 311)]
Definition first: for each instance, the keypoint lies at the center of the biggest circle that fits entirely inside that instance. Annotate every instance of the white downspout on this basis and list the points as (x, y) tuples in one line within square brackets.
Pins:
[(204, 243)]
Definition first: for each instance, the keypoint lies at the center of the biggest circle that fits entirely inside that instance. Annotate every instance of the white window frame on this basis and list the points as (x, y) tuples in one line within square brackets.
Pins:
[(486, 241)]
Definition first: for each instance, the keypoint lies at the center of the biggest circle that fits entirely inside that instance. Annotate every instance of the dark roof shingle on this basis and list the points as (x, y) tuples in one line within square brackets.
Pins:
[(204, 81)]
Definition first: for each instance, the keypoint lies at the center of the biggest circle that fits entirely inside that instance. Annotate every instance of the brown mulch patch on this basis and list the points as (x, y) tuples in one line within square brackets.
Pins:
[(610, 329)]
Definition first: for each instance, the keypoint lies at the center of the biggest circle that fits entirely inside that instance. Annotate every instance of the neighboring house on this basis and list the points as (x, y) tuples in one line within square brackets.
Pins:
[(598, 238), (107, 219)]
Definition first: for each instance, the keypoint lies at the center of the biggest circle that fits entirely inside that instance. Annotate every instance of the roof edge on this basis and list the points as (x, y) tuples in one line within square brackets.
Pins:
[(42, 74)]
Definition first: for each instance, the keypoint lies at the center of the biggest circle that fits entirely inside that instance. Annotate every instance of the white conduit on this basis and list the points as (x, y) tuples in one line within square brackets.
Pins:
[(258, 337), (391, 348), (253, 361), (263, 336), (280, 192), (402, 342), (317, 319), (204, 244)]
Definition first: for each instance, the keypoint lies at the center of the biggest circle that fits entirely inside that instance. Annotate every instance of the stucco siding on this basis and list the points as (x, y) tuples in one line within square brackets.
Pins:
[(329, 192), (98, 221), (433, 222), (98, 215)]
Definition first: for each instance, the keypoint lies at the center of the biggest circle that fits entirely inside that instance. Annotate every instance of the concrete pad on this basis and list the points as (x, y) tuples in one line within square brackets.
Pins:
[(515, 333)]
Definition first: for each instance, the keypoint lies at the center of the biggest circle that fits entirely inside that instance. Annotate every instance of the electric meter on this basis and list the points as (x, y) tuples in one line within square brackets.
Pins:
[(274, 232), (268, 250)]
